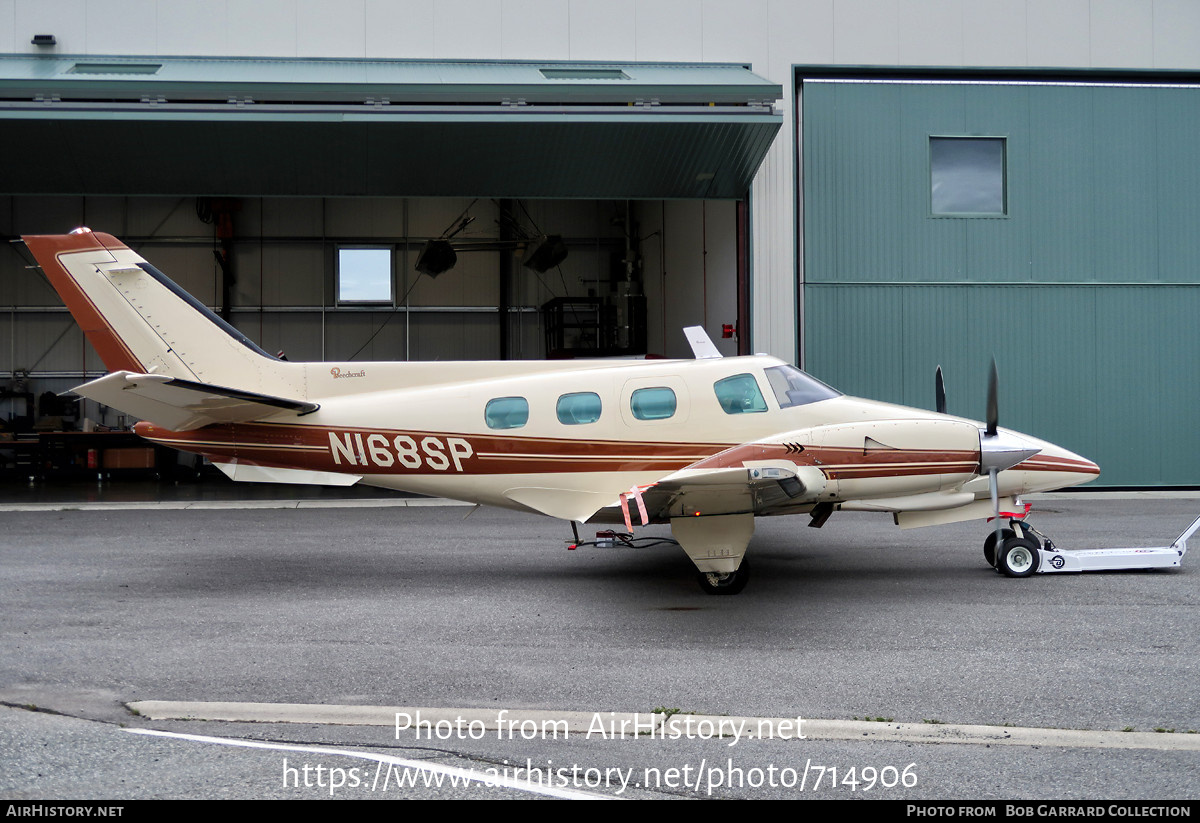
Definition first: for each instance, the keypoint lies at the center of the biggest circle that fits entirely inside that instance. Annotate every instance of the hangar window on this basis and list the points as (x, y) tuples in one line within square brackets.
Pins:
[(656, 403), (506, 413), (967, 176), (739, 394), (580, 407), (364, 274)]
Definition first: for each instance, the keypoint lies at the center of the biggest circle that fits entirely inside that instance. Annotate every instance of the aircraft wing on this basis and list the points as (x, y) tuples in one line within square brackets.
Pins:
[(881, 466), (759, 487), (182, 405)]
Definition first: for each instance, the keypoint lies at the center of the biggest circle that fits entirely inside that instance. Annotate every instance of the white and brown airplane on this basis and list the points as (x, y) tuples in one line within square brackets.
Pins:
[(705, 444)]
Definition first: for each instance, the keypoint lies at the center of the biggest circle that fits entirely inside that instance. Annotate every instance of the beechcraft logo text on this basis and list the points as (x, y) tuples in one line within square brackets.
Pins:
[(338, 373)]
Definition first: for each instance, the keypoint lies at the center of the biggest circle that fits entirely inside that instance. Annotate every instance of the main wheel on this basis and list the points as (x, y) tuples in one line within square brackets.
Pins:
[(1018, 557), (714, 583), (989, 545)]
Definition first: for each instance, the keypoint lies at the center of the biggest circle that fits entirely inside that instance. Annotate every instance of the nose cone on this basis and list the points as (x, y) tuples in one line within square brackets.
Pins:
[(1053, 467)]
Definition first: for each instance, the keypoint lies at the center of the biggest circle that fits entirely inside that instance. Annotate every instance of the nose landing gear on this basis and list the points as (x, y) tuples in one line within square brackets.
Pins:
[(1019, 551), (1024, 551)]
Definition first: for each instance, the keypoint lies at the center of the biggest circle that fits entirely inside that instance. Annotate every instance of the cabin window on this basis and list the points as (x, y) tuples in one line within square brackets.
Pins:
[(579, 407), (656, 403), (506, 413), (364, 275), (740, 394), (793, 387)]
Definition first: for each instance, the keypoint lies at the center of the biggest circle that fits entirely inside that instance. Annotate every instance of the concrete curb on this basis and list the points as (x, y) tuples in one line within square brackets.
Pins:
[(447, 724)]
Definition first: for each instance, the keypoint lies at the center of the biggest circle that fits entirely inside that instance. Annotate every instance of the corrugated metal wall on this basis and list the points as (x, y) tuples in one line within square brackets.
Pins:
[(1087, 291)]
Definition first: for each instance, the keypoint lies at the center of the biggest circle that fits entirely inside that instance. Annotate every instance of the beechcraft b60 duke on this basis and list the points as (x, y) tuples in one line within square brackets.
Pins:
[(704, 444)]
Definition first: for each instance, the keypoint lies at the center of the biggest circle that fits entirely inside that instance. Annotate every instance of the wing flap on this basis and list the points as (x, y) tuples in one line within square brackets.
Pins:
[(182, 405)]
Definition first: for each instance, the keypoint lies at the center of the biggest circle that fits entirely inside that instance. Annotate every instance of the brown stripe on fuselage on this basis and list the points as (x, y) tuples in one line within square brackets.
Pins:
[(707, 448), (1058, 464), (830, 459), (309, 447), (388, 451)]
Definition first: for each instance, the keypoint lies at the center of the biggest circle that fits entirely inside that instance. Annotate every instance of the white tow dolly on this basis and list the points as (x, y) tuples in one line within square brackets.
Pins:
[(1022, 553)]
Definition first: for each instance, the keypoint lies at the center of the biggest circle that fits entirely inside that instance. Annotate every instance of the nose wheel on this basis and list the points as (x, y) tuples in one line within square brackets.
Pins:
[(989, 545), (1017, 552)]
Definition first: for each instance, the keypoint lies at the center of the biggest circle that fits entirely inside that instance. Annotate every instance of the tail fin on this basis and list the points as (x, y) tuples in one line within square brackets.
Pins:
[(138, 320)]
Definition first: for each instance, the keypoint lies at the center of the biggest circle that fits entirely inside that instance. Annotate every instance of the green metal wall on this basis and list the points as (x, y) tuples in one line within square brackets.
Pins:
[(1087, 292)]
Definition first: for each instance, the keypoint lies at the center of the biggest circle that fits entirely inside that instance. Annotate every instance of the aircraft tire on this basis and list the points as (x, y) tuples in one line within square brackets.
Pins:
[(732, 584), (1018, 557), (989, 545)]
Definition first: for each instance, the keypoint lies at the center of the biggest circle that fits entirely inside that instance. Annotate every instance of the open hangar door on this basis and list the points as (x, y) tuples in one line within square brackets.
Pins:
[(264, 222), (288, 285)]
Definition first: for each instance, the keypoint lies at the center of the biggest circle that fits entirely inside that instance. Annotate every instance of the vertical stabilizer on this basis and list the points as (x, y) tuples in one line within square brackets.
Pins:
[(139, 321)]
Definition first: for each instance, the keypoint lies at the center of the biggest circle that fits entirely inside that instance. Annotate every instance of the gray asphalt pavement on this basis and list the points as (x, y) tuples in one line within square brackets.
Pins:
[(419, 607)]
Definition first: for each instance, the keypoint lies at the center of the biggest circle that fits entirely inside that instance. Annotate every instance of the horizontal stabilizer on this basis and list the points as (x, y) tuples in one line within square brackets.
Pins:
[(246, 473), (182, 405)]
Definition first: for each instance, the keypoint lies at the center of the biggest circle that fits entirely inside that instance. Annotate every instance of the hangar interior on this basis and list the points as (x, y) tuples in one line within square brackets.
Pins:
[(287, 269), (578, 228)]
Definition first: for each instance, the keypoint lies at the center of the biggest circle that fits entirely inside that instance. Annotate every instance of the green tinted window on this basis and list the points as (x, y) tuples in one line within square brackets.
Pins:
[(653, 404), (507, 413), (739, 394), (580, 407)]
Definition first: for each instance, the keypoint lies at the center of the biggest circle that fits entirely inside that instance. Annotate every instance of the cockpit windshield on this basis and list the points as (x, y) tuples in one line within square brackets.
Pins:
[(793, 387)]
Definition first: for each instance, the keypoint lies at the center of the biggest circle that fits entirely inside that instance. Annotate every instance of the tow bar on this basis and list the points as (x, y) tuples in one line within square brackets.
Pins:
[(1054, 559)]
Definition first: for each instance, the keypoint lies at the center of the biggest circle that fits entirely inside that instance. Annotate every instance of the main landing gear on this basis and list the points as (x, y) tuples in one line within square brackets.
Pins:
[(1018, 552), (717, 545), (729, 583)]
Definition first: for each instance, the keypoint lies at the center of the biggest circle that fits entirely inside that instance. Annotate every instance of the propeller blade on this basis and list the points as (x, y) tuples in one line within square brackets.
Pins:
[(994, 488), (993, 404), (939, 391)]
